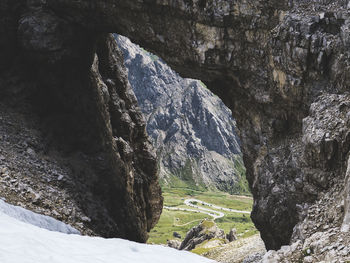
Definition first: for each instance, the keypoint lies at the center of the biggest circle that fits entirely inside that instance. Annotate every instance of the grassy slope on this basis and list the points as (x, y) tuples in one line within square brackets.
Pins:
[(171, 221), (185, 178)]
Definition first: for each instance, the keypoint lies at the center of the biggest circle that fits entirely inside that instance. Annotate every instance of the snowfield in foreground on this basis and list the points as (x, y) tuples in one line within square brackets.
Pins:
[(35, 219), (22, 242)]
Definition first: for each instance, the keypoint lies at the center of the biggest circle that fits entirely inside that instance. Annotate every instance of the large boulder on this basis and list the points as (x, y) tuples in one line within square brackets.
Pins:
[(173, 244), (232, 235), (205, 231)]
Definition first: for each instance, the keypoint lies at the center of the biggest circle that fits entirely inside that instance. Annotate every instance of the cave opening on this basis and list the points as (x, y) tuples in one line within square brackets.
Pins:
[(200, 164), (280, 66)]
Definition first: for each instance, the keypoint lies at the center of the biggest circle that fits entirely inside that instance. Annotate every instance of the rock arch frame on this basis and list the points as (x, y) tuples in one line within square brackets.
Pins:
[(281, 66)]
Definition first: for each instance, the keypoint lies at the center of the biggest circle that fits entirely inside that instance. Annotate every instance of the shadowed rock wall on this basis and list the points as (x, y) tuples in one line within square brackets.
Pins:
[(76, 80)]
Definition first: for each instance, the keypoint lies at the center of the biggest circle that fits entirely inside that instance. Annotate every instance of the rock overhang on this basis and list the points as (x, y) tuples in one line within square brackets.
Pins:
[(267, 60)]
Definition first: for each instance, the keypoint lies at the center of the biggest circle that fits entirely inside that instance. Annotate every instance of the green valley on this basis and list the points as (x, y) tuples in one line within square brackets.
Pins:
[(182, 221)]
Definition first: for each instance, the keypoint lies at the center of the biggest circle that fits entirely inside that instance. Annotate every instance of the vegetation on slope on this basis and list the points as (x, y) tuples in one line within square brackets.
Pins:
[(181, 221), (186, 177)]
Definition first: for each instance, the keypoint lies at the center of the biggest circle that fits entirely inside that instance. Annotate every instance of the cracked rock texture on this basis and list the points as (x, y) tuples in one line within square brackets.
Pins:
[(281, 66), (205, 231), (191, 128), (76, 83)]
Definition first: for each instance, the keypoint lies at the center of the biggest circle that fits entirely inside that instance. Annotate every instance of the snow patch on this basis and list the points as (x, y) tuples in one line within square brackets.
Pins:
[(24, 243), (35, 219)]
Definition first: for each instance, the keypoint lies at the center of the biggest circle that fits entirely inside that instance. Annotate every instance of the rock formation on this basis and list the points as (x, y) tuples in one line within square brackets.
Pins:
[(192, 130), (205, 231), (282, 67), (77, 83), (244, 250), (232, 235), (173, 244)]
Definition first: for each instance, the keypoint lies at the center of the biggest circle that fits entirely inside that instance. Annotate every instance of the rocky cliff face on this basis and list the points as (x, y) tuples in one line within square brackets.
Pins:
[(192, 130), (281, 67), (77, 84)]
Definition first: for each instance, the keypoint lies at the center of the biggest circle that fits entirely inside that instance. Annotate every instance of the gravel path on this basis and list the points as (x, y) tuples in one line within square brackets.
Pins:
[(190, 202)]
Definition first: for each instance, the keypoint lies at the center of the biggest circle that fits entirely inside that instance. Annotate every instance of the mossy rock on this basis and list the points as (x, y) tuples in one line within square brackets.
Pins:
[(208, 245), (207, 224)]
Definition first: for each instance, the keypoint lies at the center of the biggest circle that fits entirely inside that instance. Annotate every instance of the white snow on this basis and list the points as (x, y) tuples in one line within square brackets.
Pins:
[(35, 219), (25, 243)]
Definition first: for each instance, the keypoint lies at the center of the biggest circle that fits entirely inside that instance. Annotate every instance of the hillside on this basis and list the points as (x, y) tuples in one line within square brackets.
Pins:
[(192, 130)]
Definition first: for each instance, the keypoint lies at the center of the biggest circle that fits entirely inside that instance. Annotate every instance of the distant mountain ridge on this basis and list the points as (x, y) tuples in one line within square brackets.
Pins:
[(191, 128)]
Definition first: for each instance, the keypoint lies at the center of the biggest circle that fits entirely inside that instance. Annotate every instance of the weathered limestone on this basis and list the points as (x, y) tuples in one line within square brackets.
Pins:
[(268, 60)]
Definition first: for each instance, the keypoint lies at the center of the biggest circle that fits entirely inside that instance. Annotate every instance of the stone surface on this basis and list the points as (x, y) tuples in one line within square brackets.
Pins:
[(269, 62), (173, 244), (247, 250), (192, 130), (77, 85), (274, 63), (345, 228), (205, 231), (177, 235), (232, 235), (254, 258)]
